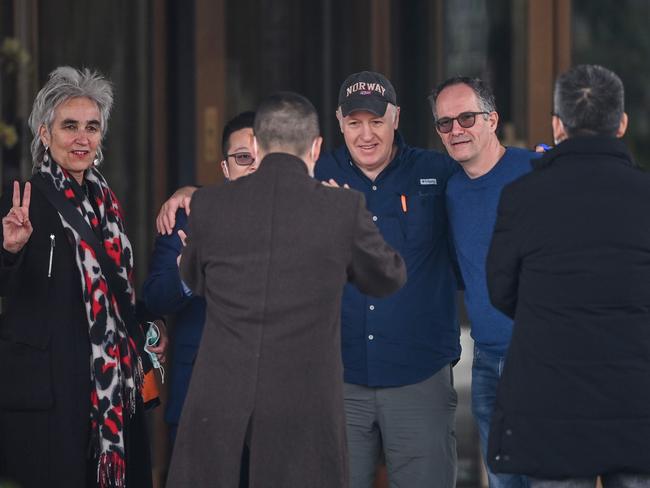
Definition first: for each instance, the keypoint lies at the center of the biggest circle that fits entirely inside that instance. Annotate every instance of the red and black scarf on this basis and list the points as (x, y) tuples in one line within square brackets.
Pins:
[(116, 369)]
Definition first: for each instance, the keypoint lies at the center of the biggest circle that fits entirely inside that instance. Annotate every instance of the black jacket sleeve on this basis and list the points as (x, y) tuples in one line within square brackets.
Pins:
[(504, 256)]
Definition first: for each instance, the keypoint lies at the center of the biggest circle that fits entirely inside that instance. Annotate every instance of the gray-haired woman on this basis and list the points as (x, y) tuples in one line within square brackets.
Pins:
[(71, 372)]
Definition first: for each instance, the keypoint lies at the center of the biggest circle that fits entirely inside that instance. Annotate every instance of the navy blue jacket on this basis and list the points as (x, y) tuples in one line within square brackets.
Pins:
[(408, 336), (163, 294)]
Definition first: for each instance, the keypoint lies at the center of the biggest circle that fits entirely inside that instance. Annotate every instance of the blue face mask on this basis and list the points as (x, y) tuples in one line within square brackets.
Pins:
[(151, 339)]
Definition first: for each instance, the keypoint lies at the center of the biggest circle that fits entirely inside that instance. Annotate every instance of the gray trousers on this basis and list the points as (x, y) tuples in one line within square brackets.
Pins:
[(615, 480), (412, 426)]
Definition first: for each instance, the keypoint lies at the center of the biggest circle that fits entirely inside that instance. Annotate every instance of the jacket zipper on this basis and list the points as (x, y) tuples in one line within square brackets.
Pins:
[(52, 244)]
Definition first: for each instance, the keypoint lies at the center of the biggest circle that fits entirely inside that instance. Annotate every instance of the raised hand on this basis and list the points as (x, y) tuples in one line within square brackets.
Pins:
[(16, 227)]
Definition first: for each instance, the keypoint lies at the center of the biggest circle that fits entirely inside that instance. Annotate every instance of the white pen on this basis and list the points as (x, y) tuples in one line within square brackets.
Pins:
[(49, 268)]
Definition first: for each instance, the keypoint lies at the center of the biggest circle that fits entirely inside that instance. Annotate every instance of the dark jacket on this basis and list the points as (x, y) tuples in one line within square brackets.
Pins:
[(570, 262), (271, 253), (45, 363), (163, 294)]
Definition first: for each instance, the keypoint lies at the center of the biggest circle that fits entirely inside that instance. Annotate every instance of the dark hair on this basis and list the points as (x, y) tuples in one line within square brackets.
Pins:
[(481, 88), (241, 121), (287, 122), (589, 100)]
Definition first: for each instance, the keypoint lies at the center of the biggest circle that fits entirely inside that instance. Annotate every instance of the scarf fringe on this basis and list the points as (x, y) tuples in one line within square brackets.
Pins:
[(111, 471)]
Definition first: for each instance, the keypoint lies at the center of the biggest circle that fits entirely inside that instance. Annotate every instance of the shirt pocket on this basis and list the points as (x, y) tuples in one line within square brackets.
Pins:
[(424, 217)]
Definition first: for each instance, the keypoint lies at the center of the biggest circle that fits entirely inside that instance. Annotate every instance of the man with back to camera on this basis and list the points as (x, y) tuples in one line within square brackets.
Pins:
[(569, 262), (400, 349), (397, 351), (272, 264), (466, 119)]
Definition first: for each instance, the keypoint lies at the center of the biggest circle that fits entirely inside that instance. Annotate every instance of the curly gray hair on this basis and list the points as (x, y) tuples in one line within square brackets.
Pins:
[(65, 83)]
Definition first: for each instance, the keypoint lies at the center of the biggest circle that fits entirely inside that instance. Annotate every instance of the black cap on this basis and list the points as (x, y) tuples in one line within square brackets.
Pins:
[(368, 91)]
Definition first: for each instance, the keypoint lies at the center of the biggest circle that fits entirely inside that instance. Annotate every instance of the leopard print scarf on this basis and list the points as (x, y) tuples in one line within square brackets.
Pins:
[(116, 369)]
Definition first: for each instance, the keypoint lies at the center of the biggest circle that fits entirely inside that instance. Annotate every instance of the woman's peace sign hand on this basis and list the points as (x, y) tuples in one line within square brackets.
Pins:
[(16, 227)]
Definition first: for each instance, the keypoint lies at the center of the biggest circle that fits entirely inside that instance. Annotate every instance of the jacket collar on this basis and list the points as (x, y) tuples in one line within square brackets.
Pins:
[(583, 146), (283, 161)]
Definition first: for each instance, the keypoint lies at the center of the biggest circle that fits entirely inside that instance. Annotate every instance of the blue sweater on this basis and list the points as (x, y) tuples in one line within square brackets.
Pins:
[(472, 210)]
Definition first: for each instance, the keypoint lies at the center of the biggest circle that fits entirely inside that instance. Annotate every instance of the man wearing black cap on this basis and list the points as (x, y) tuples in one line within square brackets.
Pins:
[(397, 351)]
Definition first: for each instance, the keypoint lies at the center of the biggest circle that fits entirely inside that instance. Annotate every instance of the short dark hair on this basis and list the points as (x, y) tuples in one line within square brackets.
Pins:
[(244, 120), (589, 100), (481, 88), (286, 121)]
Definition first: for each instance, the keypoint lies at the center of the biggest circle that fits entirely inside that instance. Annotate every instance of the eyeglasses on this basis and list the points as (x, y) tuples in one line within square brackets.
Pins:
[(465, 120), (242, 158)]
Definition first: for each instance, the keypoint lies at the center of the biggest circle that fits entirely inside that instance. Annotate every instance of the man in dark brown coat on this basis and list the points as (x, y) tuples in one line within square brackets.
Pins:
[(271, 253)]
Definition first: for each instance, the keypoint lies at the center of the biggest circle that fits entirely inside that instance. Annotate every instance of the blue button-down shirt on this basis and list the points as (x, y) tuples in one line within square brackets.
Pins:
[(408, 336)]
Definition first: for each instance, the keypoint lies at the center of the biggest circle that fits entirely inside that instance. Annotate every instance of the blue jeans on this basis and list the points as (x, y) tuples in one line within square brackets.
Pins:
[(486, 371)]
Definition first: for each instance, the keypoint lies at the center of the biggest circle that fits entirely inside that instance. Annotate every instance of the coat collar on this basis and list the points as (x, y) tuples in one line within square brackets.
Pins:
[(284, 162), (584, 146)]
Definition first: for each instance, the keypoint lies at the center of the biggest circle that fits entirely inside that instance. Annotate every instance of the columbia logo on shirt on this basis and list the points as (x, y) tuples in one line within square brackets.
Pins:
[(428, 181)]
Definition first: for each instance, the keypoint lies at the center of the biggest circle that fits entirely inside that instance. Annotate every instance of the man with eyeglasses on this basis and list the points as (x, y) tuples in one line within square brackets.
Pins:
[(398, 351), (466, 120), (165, 293), (238, 160)]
